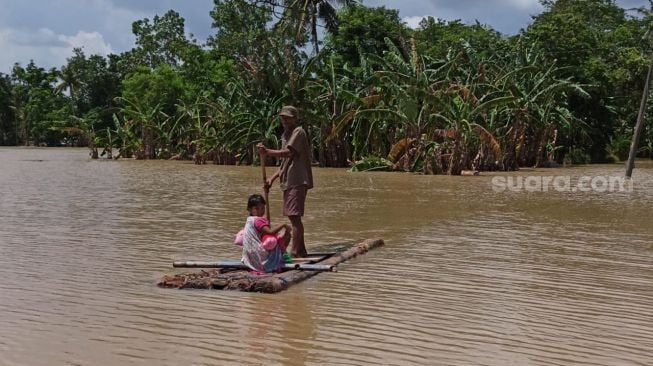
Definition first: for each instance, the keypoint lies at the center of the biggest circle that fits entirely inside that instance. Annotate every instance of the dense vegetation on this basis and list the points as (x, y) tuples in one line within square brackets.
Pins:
[(373, 93)]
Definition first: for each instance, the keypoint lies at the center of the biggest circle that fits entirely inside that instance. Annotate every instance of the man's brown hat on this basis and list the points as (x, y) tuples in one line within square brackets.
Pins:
[(288, 111)]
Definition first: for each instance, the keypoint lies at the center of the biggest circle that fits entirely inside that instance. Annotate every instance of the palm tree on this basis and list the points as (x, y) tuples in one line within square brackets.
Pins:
[(312, 11), (71, 81)]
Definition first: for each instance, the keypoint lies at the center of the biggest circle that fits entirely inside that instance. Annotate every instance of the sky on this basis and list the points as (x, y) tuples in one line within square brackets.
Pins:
[(46, 31)]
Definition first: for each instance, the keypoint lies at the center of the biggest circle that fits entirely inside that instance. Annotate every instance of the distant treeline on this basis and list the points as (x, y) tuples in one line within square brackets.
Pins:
[(373, 92)]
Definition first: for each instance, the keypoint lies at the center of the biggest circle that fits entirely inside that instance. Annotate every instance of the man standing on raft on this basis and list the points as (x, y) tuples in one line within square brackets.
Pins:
[(296, 176)]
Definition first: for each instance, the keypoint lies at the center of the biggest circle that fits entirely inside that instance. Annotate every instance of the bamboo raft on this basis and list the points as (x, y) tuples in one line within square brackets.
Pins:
[(231, 276)]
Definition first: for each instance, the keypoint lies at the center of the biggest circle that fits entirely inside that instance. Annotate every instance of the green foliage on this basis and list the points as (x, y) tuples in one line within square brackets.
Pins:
[(241, 29), (619, 148), (162, 41), (436, 37), (372, 163), (148, 90), (578, 157), (438, 99), (204, 75), (363, 31), (600, 48), (8, 133)]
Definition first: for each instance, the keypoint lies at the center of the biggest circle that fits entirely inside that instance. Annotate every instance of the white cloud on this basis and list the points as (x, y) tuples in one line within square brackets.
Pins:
[(39, 37), (413, 22), (46, 48), (525, 4), (92, 42), (47, 31), (44, 30)]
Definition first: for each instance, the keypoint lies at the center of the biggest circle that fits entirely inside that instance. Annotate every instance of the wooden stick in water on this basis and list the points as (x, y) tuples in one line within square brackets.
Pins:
[(265, 191)]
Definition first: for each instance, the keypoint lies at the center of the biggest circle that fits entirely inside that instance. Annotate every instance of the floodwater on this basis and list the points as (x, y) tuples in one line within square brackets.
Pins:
[(469, 276)]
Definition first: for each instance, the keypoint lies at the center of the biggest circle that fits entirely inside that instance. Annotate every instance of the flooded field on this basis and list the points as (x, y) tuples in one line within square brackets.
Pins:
[(469, 275)]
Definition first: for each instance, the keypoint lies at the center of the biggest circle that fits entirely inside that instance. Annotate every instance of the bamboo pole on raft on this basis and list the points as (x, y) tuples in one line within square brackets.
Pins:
[(241, 265)]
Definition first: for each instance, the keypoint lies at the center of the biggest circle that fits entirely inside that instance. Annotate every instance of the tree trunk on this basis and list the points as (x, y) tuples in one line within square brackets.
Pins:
[(540, 155), (634, 145), (454, 160), (314, 30)]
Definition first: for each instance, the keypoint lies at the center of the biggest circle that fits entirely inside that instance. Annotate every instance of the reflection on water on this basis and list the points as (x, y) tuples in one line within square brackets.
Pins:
[(469, 276)]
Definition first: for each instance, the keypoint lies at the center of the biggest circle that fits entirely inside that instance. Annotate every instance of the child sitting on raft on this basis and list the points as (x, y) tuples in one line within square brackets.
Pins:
[(263, 247)]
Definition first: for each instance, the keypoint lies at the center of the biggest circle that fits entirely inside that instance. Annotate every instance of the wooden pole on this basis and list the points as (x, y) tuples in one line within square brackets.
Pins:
[(265, 190), (639, 126), (241, 265)]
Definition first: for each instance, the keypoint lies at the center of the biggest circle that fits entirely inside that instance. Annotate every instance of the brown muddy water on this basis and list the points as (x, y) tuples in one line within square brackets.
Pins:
[(469, 276)]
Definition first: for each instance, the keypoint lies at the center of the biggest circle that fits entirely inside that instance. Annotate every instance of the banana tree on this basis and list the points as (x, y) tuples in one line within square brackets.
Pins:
[(540, 111), (335, 98), (142, 122)]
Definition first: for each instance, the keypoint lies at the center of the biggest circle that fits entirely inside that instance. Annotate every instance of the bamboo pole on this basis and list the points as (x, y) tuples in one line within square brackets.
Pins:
[(639, 126), (241, 265)]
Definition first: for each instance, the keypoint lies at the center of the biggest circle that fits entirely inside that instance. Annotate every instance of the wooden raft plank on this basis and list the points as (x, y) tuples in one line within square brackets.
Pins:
[(270, 283)]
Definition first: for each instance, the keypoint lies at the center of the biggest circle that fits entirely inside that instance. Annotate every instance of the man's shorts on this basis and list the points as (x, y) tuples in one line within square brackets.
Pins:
[(293, 201)]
